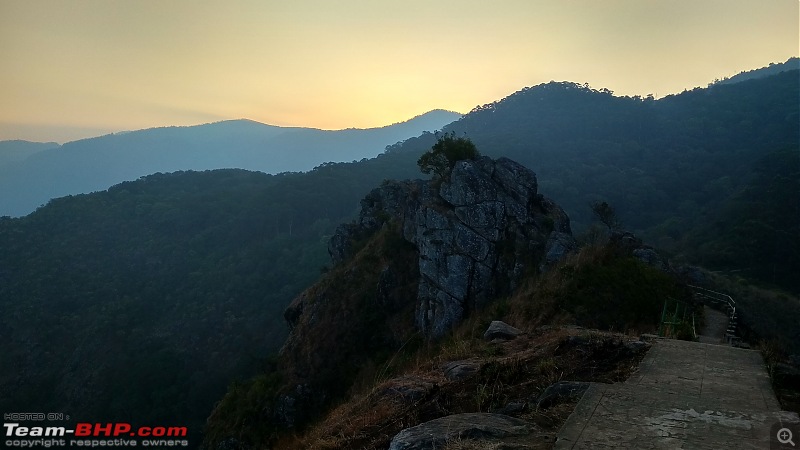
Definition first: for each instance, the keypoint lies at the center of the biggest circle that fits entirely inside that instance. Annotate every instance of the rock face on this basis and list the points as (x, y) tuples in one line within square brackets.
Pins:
[(437, 432), (476, 234)]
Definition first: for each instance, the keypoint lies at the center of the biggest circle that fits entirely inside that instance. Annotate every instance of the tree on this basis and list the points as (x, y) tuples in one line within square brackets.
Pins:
[(606, 214), (441, 158)]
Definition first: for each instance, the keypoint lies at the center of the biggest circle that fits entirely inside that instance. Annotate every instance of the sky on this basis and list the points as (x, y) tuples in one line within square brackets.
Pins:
[(79, 68)]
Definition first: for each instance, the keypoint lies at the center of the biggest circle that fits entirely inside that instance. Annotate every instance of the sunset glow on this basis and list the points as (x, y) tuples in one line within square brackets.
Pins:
[(81, 68)]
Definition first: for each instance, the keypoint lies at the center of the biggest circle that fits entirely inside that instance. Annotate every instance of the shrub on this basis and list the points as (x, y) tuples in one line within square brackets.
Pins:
[(448, 150)]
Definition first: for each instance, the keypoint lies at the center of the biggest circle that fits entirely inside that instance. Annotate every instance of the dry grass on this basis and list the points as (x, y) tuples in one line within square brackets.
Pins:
[(517, 370), (536, 302), (367, 421)]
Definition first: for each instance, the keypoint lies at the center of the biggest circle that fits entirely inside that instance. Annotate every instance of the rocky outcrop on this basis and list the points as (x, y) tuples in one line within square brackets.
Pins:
[(476, 233), (437, 432), (628, 243), (421, 256)]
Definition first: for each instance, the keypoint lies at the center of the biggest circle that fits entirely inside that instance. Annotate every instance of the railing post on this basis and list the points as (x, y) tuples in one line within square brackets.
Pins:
[(663, 314), (729, 304)]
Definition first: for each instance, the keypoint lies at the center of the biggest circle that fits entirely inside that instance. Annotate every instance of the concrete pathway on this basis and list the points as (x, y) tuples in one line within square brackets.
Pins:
[(686, 395), (716, 324)]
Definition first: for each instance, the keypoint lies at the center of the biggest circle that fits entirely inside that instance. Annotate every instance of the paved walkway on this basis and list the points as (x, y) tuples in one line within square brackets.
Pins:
[(686, 395), (716, 324)]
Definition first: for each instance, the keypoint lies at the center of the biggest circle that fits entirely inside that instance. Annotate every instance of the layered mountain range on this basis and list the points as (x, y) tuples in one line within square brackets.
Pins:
[(31, 174)]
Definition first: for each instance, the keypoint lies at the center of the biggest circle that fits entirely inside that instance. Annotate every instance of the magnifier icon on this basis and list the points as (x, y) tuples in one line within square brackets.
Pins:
[(785, 436)]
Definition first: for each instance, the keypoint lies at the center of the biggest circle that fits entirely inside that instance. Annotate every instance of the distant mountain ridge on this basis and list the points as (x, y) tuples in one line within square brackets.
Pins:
[(772, 69), (15, 151), (94, 164)]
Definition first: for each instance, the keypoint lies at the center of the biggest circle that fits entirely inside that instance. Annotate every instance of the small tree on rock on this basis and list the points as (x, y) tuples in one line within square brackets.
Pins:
[(441, 158)]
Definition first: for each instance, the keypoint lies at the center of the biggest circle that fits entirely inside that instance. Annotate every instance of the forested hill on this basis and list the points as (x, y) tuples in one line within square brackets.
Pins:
[(671, 167), (654, 160), (144, 301)]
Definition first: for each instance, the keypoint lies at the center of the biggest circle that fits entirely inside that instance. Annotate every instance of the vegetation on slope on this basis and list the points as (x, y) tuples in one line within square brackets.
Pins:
[(599, 287), (755, 235)]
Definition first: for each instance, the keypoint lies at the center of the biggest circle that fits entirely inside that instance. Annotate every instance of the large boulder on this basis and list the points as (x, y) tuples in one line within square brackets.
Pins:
[(437, 432), (500, 330), (408, 388), (561, 391), (459, 370)]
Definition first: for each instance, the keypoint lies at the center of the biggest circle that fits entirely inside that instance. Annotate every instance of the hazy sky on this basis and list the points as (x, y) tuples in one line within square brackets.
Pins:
[(77, 68)]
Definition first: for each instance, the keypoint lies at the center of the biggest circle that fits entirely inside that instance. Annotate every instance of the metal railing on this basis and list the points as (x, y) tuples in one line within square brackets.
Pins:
[(718, 300), (672, 320)]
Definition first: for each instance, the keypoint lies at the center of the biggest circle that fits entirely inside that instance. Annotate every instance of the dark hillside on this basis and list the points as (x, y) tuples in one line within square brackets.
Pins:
[(667, 166), (122, 304), (653, 160), (756, 233), (145, 300)]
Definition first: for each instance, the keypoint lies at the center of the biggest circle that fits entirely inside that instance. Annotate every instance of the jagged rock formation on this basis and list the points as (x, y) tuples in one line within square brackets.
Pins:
[(476, 233), (421, 257)]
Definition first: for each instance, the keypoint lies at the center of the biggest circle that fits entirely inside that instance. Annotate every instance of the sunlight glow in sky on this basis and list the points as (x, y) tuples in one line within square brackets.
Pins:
[(79, 68)]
